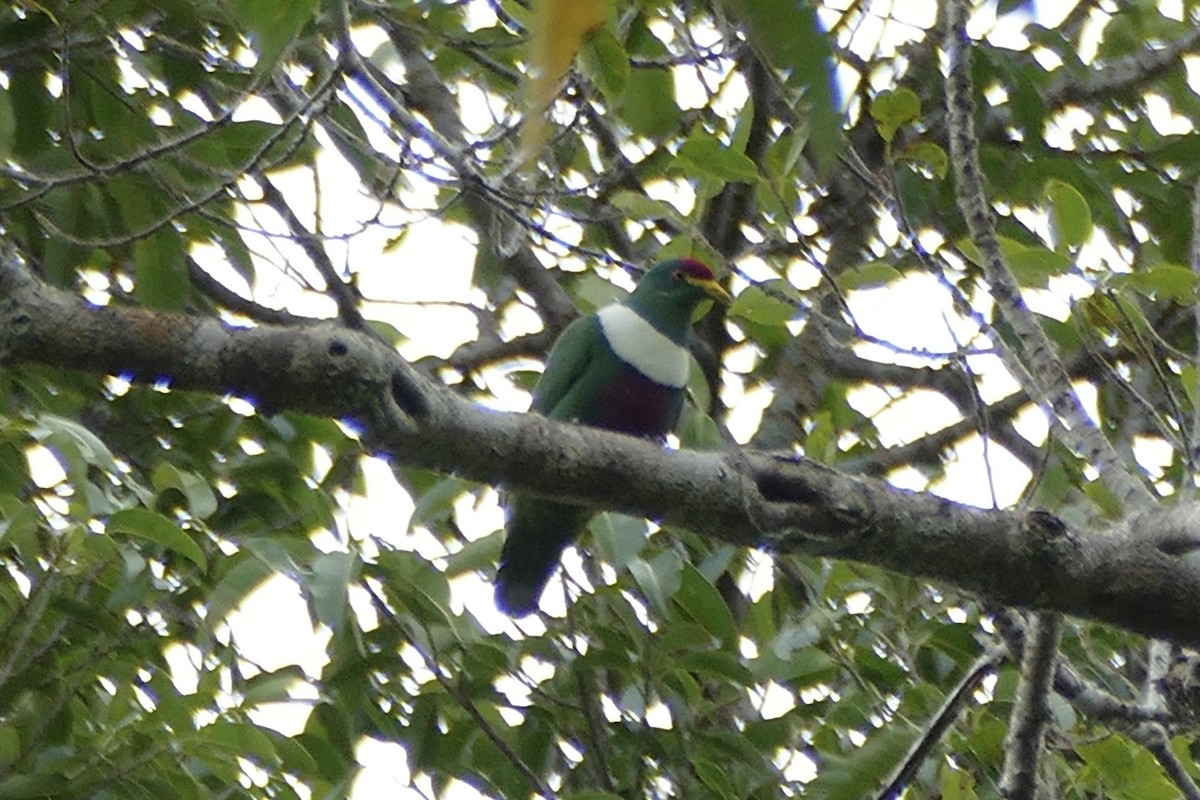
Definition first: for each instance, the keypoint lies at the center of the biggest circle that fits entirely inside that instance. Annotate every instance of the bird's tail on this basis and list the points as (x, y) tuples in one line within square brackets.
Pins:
[(537, 533)]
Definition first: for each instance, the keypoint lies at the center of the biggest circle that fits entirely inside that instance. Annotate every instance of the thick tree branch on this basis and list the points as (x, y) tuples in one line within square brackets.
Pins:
[(1132, 575)]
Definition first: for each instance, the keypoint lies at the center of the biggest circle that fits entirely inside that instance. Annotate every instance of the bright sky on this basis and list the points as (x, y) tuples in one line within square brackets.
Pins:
[(423, 286)]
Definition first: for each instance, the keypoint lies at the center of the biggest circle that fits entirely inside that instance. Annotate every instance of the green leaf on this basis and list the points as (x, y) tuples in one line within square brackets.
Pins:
[(648, 105), (755, 304), (10, 745), (416, 581), (162, 275), (31, 113), (742, 127), (436, 504), (882, 672), (659, 578), (1167, 281), (704, 154), (238, 738), (154, 527), (871, 275), (821, 442), (28, 787), (698, 390), (605, 62), (272, 687), (956, 784), (234, 145), (893, 109), (67, 434), (791, 37), (329, 586), (618, 537), (697, 430), (86, 615), (1118, 762), (715, 777), (8, 125), (701, 601), (1031, 265), (480, 554), (718, 663), (860, 773), (244, 572), (19, 522), (1104, 499), (293, 755), (640, 207), (792, 657), (924, 153), (77, 211), (273, 26), (201, 500), (1188, 375), (1070, 215), (687, 247), (594, 292), (489, 266), (947, 652)]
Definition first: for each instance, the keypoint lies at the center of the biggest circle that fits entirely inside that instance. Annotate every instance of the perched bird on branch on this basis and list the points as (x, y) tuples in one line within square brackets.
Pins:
[(623, 368)]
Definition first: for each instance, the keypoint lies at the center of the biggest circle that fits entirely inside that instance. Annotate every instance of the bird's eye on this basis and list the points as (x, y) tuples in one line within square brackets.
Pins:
[(677, 274)]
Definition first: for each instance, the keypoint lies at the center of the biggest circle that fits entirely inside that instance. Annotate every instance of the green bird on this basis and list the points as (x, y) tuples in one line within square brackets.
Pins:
[(623, 368)]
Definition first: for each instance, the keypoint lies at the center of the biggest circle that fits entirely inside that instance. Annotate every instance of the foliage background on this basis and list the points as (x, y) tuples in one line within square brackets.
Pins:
[(179, 157)]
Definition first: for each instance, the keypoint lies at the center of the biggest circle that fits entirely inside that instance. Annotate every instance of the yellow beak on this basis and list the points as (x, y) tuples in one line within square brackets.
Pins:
[(711, 288)]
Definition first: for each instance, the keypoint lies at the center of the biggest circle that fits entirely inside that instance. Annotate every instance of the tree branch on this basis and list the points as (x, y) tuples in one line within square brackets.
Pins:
[(1031, 710), (1131, 575), (940, 723), (1045, 379)]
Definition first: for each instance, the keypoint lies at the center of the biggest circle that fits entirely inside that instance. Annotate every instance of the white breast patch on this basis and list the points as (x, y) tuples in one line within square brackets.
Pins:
[(636, 342)]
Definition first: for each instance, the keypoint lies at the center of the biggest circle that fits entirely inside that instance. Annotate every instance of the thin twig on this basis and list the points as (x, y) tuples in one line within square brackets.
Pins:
[(343, 292), (940, 723), (588, 705), (234, 302)]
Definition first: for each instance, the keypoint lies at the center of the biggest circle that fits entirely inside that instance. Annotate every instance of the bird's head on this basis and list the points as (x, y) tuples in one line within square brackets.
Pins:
[(681, 281)]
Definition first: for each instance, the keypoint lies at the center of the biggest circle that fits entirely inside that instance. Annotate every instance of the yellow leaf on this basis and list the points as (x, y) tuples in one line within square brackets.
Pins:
[(559, 28)]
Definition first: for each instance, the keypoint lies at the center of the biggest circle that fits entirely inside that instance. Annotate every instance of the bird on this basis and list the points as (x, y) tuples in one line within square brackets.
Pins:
[(623, 368)]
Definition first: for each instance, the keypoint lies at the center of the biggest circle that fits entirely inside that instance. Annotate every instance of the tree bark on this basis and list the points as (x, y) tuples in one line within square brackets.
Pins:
[(1140, 574)]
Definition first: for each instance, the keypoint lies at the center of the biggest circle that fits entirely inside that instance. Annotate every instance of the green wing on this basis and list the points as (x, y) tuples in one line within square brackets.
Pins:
[(568, 360)]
